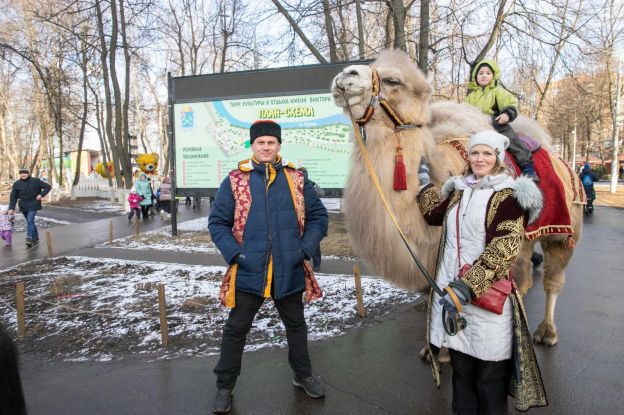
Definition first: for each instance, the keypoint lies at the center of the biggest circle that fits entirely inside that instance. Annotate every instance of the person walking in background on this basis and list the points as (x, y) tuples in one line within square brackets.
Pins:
[(28, 191), (164, 198), (144, 190), (483, 212), (266, 221), (316, 257), (133, 200), (588, 177), (6, 224)]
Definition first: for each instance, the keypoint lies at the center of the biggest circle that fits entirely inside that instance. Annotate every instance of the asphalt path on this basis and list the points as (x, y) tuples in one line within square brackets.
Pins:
[(87, 231), (73, 214), (373, 369)]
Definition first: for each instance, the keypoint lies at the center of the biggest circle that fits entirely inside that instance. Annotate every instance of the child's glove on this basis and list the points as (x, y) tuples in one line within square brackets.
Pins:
[(423, 173)]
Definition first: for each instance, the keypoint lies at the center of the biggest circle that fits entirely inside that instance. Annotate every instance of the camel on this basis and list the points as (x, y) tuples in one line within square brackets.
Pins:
[(375, 238)]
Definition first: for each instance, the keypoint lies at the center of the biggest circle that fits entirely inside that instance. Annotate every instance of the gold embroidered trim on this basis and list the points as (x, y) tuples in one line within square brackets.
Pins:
[(428, 200), (499, 254), (497, 199), (529, 390)]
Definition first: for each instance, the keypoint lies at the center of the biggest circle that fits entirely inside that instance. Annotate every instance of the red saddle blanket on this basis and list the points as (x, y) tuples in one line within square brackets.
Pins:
[(555, 216)]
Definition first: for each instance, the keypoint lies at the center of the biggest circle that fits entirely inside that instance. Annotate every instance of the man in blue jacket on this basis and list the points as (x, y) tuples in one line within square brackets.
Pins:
[(256, 223), (29, 191)]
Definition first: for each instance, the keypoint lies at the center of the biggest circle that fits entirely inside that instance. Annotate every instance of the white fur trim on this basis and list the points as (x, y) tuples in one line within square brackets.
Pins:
[(529, 197), (526, 192)]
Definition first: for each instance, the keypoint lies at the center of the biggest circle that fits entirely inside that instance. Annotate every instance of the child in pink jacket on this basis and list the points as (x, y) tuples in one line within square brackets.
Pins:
[(134, 199)]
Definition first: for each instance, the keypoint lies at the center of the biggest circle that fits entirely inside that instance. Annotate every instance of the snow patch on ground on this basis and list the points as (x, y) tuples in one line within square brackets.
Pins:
[(332, 204), (192, 237), (80, 308)]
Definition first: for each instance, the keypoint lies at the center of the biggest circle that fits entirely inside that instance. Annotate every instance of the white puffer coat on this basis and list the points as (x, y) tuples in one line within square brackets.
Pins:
[(488, 336)]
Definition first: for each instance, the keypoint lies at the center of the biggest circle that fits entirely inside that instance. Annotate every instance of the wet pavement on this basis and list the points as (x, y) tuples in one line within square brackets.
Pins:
[(374, 369), (85, 232)]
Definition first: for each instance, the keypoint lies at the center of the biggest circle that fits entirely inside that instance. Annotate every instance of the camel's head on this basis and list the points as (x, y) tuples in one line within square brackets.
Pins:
[(401, 83)]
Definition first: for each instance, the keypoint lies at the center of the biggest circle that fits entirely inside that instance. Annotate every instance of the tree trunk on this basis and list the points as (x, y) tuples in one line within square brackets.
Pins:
[(104, 52), (118, 150), (398, 19), (360, 28), (85, 110), (329, 29), (423, 45), (388, 30), (125, 137)]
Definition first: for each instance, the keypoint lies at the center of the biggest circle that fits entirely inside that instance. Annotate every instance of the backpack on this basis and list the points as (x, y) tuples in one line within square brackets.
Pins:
[(588, 181)]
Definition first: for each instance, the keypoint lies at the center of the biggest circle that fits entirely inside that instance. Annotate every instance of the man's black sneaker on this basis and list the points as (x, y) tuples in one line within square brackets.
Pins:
[(29, 242), (34, 241), (222, 402), (312, 386)]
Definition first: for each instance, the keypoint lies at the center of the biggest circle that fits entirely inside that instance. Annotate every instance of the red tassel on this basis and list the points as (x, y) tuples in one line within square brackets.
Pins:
[(400, 176)]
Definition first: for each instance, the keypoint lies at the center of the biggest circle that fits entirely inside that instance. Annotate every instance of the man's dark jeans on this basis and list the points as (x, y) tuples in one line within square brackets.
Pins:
[(31, 228), (238, 324)]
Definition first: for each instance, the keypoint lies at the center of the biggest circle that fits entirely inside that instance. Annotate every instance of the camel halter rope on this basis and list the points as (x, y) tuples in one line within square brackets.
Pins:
[(400, 175), (451, 326)]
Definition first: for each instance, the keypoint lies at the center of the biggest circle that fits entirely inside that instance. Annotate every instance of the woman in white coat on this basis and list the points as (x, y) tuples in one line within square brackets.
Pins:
[(484, 212)]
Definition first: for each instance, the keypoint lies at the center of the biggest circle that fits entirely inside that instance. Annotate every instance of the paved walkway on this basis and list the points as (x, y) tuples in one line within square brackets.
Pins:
[(69, 238), (371, 370)]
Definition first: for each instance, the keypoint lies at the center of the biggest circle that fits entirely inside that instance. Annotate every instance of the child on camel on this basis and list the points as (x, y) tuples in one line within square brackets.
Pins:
[(492, 99)]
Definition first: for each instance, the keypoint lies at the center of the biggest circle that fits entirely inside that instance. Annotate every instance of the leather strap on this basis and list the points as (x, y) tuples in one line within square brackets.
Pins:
[(382, 196), (455, 299)]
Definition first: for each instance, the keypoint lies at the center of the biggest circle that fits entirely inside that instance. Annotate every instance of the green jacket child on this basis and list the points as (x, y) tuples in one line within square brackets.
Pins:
[(492, 99)]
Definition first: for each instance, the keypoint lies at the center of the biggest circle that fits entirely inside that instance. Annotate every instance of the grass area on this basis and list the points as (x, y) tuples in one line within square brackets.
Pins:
[(337, 242), (605, 198)]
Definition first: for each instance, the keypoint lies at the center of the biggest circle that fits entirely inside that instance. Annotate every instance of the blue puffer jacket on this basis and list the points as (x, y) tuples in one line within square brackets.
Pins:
[(271, 229), (144, 190)]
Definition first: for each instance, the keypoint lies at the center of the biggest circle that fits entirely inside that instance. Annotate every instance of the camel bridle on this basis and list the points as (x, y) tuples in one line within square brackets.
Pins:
[(399, 123)]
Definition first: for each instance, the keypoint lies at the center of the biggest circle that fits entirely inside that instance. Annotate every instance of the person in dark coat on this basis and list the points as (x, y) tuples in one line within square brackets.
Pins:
[(588, 178), (28, 191), (266, 252)]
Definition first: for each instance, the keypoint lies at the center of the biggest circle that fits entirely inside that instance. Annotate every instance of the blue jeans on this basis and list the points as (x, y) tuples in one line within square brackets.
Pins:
[(31, 229)]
